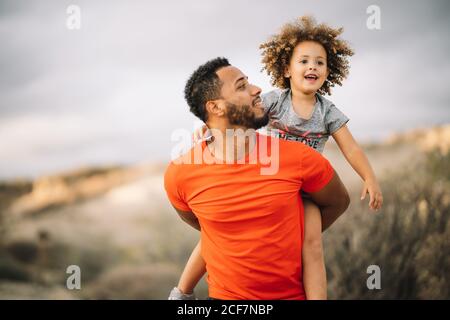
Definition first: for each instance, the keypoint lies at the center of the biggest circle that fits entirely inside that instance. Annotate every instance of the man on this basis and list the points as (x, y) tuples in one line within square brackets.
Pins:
[(251, 222)]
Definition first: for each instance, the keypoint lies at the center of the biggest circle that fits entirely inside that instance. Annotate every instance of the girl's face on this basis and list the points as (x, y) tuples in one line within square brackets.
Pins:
[(307, 69)]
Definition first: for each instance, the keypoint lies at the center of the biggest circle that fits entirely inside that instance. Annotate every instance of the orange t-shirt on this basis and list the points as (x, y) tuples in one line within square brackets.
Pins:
[(251, 224)]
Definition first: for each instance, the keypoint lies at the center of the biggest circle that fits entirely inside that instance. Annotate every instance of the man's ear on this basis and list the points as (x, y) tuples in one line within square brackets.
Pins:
[(213, 107)]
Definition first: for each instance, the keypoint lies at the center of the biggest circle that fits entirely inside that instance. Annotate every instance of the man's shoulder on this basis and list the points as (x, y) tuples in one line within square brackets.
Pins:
[(180, 164), (190, 156)]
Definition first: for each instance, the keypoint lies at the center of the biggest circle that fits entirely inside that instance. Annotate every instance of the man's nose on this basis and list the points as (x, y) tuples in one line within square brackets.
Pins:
[(256, 90)]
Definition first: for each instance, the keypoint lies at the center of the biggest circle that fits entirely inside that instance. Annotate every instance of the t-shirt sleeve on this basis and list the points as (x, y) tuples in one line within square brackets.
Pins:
[(173, 188), (270, 99), (317, 171), (335, 119)]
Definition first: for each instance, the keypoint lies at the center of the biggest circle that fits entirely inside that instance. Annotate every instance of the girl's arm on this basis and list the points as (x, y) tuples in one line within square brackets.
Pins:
[(193, 272), (359, 162)]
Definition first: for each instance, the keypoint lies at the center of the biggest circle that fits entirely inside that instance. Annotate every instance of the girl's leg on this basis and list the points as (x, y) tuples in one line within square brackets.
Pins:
[(314, 274), (193, 271)]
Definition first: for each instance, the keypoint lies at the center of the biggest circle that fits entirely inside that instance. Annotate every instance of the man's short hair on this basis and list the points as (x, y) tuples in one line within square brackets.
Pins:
[(204, 85)]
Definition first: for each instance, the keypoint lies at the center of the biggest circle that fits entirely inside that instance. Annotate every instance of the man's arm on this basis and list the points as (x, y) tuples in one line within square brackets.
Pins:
[(333, 200), (189, 217)]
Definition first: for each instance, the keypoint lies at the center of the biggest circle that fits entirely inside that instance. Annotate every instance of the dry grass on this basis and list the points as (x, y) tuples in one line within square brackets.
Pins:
[(409, 239)]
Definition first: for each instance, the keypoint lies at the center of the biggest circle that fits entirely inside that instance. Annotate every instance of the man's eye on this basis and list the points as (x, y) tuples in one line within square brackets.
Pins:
[(242, 86)]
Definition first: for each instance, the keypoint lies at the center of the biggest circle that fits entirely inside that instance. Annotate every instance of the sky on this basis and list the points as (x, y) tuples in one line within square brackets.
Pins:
[(111, 92)]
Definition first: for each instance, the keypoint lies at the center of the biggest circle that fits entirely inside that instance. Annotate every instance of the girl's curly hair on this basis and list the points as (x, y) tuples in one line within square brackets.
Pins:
[(277, 52)]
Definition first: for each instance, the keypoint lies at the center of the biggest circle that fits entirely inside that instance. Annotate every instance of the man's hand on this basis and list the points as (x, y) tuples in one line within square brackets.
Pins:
[(201, 134)]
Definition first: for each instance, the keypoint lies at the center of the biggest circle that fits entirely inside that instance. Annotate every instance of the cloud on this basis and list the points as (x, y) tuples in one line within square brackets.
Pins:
[(112, 91)]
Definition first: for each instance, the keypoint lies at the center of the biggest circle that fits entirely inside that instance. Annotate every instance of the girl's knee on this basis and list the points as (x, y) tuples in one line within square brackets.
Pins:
[(313, 248), (313, 227), (313, 241)]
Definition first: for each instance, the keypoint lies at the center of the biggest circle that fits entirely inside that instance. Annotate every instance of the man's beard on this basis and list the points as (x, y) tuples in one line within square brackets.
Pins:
[(245, 116)]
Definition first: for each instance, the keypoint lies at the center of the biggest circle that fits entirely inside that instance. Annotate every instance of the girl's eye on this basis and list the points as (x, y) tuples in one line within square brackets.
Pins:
[(304, 61), (321, 63)]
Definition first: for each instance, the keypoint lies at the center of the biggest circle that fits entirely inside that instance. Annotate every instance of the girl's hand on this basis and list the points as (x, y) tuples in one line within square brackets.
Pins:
[(374, 190), (200, 134)]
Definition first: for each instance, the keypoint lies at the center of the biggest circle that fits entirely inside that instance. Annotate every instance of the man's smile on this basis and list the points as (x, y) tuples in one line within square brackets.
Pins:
[(257, 102)]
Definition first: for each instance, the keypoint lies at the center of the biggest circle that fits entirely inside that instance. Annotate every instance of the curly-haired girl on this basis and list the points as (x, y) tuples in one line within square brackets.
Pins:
[(304, 60)]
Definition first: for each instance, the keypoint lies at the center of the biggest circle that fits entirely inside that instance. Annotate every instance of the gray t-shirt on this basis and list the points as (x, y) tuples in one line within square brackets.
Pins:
[(286, 124)]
